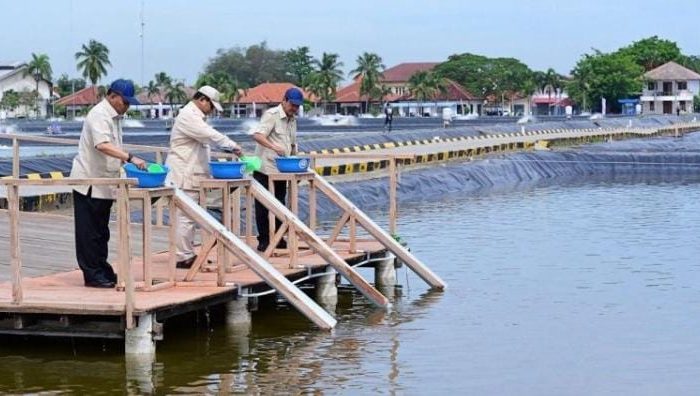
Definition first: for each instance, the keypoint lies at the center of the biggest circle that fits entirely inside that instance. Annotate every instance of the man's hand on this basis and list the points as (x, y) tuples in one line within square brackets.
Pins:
[(278, 149), (141, 164)]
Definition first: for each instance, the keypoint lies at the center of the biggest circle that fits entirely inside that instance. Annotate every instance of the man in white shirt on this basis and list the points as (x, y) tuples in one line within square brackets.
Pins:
[(188, 160), (276, 135), (100, 156)]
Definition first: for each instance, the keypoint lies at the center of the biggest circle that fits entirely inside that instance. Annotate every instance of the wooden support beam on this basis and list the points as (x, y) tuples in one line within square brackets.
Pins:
[(256, 263), (320, 247), (249, 201), (172, 236), (382, 236), (15, 251), (338, 228), (204, 251), (392, 195), (312, 205), (276, 239)]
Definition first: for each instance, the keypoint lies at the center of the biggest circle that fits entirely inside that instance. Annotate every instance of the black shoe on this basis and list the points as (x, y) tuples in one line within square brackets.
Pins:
[(262, 248), (187, 263), (103, 284), (282, 244)]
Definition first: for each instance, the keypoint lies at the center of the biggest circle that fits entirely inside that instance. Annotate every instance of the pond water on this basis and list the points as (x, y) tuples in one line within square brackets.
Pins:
[(585, 288)]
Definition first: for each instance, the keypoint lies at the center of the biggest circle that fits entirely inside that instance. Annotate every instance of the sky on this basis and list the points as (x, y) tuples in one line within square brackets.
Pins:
[(181, 35)]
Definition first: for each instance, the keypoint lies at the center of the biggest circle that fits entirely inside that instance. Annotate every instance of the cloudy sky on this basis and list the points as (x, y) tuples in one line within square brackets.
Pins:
[(180, 35)]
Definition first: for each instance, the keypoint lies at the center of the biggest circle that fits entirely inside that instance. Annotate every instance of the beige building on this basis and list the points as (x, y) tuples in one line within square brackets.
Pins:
[(13, 78), (669, 89)]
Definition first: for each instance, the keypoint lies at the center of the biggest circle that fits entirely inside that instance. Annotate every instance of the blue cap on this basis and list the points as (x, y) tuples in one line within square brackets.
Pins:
[(125, 88), (294, 96)]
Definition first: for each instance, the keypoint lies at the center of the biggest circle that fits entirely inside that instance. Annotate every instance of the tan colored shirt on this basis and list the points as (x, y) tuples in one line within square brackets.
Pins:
[(189, 154), (102, 125), (279, 129)]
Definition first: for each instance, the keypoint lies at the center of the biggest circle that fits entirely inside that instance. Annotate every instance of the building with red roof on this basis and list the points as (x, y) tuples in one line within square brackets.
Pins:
[(86, 97), (395, 79), (256, 100)]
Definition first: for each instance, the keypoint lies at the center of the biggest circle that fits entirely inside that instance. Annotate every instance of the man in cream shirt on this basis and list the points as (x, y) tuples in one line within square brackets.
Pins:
[(100, 156), (276, 135), (188, 160)]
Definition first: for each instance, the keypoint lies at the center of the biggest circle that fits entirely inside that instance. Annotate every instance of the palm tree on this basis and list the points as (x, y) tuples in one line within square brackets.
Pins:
[(40, 68), (92, 59), (163, 79), (553, 83), (152, 90), (370, 70), (425, 85), (327, 76), (176, 94)]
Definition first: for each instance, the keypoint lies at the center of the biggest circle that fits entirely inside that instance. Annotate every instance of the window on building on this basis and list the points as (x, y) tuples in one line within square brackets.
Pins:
[(651, 85), (651, 106), (682, 106), (682, 85)]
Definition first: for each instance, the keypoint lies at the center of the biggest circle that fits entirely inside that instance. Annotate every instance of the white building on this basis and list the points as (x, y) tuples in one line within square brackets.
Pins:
[(12, 77), (670, 89)]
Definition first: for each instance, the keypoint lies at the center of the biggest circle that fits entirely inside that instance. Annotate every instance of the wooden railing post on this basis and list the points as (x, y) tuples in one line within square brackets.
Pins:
[(15, 256), (123, 216), (15, 158), (392, 196)]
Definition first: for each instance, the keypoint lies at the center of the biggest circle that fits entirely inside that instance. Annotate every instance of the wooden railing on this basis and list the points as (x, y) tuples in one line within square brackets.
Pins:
[(125, 278)]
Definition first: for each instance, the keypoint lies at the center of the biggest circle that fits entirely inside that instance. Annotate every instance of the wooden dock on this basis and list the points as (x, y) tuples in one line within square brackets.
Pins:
[(54, 295), (53, 301)]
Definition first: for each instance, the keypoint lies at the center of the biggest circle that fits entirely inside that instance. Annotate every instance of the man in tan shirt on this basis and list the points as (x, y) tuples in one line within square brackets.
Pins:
[(100, 155), (276, 135), (188, 159)]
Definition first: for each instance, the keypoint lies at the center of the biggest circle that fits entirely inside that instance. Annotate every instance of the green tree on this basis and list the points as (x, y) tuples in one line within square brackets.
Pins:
[(10, 100), (162, 79), (39, 68), (92, 60), (250, 66), (425, 85), (298, 65), (176, 94), (369, 71), (696, 103), (610, 76), (326, 77), (66, 85), (485, 76), (692, 62), (652, 52)]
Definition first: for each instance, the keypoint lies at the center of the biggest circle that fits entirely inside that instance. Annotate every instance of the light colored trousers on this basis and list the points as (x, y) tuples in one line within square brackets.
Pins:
[(184, 240)]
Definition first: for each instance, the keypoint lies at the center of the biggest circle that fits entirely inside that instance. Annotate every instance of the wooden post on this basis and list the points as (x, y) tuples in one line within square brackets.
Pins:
[(159, 204), (222, 253), (353, 232), (392, 195), (249, 215), (15, 158), (15, 251), (172, 235), (124, 252), (312, 205), (146, 243)]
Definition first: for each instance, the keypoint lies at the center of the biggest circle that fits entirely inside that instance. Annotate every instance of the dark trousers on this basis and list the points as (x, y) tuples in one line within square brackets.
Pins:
[(92, 236), (261, 211)]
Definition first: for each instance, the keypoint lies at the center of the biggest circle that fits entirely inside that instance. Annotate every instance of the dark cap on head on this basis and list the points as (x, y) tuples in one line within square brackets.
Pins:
[(294, 96), (125, 88)]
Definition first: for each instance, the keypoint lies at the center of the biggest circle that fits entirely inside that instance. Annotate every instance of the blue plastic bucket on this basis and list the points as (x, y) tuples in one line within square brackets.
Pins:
[(227, 169), (146, 179), (292, 164)]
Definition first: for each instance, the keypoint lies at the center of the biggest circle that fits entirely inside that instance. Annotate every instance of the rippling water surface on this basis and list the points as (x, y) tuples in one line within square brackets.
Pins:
[(590, 288)]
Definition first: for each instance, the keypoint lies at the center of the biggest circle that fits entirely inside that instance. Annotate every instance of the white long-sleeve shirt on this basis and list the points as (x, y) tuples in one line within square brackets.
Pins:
[(189, 154)]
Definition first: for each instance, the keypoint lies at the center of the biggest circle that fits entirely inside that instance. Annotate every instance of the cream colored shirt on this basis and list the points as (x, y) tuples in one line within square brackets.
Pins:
[(279, 129), (102, 125), (189, 154)]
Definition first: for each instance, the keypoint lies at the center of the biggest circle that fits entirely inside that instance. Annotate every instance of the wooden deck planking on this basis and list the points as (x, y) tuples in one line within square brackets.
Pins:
[(52, 283)]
